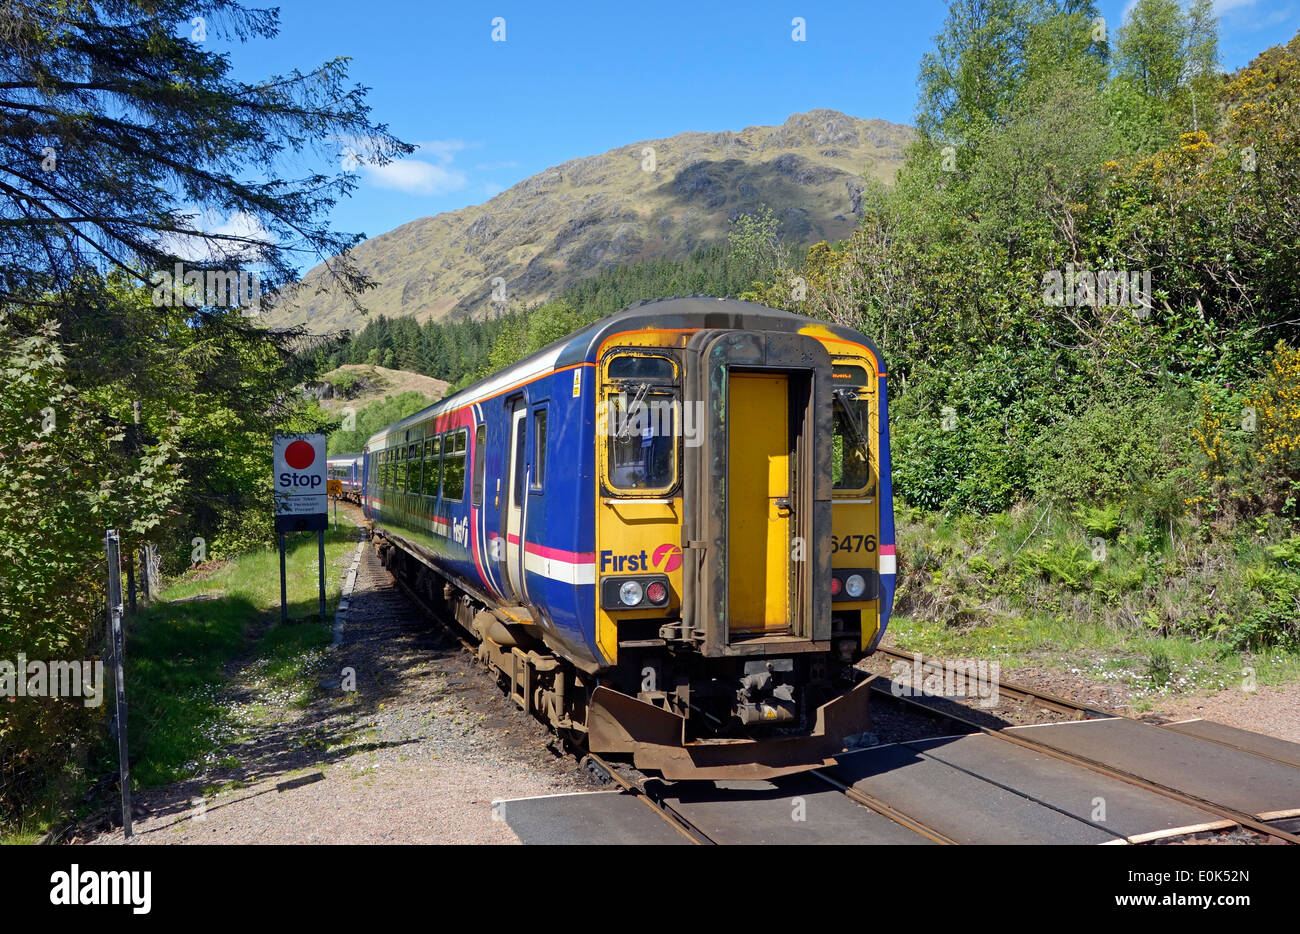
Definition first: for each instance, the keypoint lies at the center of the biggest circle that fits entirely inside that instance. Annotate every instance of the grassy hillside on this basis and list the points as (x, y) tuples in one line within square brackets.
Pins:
[(365, 421), (359, 385)]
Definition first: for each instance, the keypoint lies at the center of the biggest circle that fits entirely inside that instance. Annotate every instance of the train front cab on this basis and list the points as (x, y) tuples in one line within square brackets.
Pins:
[(737, 469)]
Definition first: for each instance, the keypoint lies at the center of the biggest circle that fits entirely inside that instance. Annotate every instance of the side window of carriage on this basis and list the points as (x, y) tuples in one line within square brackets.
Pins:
[(453, 465), (432, 464), (642, 409), (538, 475), (414, 461), (480, 463)]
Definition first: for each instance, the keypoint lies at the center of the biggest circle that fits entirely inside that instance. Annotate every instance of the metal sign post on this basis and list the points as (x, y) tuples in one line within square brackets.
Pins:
[(300, 498), (284, 606), (113, 548), (320, 542)]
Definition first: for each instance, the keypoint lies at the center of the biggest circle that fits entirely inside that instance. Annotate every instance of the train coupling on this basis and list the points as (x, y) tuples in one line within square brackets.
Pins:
[(656, 739)]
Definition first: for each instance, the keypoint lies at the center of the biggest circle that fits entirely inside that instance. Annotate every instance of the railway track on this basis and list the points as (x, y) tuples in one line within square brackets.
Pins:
[(927, 702), (655, 802), (638, 789), (1020, 692), (884, 809)]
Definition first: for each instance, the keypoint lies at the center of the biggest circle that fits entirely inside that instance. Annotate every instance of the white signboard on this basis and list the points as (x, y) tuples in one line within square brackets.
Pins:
[(300, 473)]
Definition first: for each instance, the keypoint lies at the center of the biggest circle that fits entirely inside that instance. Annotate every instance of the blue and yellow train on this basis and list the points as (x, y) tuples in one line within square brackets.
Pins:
[(346, 469), (671, 533)]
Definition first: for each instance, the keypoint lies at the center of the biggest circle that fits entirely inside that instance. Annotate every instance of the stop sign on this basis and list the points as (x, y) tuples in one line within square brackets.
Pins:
[(299, 482)]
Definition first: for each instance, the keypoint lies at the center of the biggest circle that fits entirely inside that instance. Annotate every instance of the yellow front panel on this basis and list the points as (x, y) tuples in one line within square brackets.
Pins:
[(855, 523), (758, 531), (636, 535)]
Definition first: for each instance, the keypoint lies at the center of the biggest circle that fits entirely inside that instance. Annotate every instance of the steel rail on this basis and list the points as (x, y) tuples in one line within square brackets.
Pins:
[(1067, 706), (680, 822), (1023, 692), (880, 807), (1101, 768)]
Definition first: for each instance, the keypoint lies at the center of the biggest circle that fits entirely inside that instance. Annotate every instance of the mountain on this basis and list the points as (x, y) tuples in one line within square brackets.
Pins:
[(587, 214)]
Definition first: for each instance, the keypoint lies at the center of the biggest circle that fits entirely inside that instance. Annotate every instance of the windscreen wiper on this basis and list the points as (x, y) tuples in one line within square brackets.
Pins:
[(845, 395), (641, 390)]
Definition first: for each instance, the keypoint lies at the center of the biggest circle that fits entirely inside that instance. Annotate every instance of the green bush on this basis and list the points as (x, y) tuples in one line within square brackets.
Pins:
[(1274, 615), (1115, 450), (962, 433)]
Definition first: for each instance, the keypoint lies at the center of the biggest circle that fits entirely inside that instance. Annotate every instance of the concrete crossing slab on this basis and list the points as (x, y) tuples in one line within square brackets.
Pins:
[(1268, 746), (963, 807), (795, 810), (1248, 783), (587, 818), (1109, 803)]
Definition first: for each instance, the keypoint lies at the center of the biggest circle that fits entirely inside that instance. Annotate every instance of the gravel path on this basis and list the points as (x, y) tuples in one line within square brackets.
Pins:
[(415, 754), (1271, 710)]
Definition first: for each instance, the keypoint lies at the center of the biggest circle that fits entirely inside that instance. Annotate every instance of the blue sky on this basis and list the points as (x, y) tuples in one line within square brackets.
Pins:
[(580, 78)]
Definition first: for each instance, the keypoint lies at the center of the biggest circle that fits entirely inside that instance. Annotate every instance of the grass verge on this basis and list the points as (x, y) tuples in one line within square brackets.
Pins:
[(214, 624), (1163, 611)]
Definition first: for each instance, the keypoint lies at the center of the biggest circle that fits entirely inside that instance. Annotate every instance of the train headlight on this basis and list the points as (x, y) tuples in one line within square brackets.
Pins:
[(855, 585), (630, 594), (643, 592)]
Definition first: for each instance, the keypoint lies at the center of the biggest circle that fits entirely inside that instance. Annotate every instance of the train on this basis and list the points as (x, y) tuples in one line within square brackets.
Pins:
[(347, 469), (670, 533)]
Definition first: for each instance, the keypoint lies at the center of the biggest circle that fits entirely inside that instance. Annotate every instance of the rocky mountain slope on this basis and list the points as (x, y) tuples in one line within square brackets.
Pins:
[(619, 207)]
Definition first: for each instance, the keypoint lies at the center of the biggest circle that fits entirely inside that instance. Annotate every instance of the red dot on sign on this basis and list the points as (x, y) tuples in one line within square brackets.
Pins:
[(299, 455)]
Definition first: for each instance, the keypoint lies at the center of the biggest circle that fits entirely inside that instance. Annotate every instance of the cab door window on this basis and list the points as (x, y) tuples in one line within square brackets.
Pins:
[(480, 463), (642, 408), (851, 469)]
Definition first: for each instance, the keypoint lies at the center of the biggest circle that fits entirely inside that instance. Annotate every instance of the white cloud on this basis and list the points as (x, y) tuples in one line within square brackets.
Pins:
[(416, 177), (444, 150), (433, 175)]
